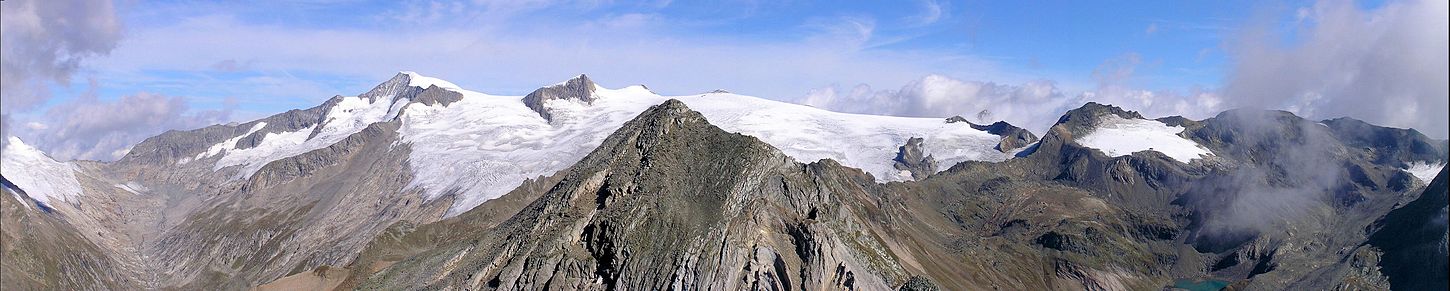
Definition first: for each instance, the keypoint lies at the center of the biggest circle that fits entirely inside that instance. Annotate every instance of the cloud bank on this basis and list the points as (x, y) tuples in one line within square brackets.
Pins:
[(91, 129), (1387, 65)]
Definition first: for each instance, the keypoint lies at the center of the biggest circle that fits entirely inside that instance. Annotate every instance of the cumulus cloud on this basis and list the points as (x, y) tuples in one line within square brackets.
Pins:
[(1387, 65), (91, 129), (1034, 105), (44, 43)]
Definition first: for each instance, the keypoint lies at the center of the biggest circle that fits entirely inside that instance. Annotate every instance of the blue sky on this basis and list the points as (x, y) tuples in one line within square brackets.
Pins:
[(1178, 44), (1022, 62)]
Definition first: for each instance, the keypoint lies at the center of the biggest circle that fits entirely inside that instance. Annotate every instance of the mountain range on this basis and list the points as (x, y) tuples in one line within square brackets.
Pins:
[(421, 184)]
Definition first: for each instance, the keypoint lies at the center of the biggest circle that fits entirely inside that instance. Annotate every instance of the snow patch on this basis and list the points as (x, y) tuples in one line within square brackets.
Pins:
[(1116, 136), (43, 178), (1424, 171), (133, 187)]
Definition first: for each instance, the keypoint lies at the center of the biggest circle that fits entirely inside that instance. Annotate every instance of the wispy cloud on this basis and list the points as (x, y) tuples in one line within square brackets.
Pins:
[(1034, 105), (620, 49), (931, 12)]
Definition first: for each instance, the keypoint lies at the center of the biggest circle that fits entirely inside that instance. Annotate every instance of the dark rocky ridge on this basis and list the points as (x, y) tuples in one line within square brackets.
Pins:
[(1013, 137), (1414, 238), (435, 95)]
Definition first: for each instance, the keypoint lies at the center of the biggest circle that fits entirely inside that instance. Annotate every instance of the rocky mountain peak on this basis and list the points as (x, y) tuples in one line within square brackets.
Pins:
[(1088, 115), (579, 88), (394, 87), (407, 85)]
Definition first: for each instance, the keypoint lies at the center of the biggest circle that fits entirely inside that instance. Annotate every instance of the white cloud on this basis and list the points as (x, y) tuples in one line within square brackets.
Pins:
[(1033, 105), (35, 126), (1387, 66), (92, 129), (44, 43)]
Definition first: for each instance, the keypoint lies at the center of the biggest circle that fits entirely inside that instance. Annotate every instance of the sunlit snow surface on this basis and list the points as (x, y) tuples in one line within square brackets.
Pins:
[(421, 81), (1424, 171), (1117, 136), (41, 177), (485, 145), (350, 115)]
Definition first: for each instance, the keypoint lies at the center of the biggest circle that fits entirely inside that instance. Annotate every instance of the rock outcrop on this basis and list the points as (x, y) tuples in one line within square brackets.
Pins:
[(909, 158)]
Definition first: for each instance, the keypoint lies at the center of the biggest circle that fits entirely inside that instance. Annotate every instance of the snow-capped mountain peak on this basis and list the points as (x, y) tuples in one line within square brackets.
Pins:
[(420, 81), (43, 178), (579, 88)]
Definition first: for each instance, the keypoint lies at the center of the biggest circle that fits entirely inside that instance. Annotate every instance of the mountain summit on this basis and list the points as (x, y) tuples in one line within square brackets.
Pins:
[(579, 88)]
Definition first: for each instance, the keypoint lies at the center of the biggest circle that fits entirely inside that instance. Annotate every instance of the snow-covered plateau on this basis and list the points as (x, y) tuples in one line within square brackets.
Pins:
[(1117, 136)]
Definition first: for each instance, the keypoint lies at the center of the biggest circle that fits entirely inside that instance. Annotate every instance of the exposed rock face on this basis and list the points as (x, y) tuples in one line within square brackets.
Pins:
[(1413, 239), (909, 158), (43, 252), (298, 213), (1013, 137), (435, 95), (579, 88)]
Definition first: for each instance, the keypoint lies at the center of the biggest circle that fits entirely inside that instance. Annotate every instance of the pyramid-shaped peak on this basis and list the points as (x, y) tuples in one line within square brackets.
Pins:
[(405, 84), (580, 81)]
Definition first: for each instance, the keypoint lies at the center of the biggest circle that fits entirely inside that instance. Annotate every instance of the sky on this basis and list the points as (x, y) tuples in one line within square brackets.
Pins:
[(87, 79)]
